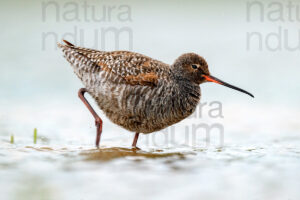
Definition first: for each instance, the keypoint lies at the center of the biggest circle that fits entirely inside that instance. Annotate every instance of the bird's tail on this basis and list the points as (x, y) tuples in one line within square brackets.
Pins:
[(80, 60), (81, 50)]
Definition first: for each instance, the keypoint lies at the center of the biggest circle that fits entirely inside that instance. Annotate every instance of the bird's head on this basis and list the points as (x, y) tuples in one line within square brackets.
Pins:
[(194, 68)]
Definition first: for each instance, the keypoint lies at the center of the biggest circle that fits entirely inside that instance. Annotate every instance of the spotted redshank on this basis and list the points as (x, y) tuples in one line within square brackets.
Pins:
[(139, 93)]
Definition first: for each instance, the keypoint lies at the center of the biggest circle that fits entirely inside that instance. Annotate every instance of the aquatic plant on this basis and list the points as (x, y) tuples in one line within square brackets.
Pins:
[(12, 139), (34, 136)]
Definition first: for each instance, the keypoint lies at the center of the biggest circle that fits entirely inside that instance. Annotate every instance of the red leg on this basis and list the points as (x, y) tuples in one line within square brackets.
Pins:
[(98, 120), (136, 137)]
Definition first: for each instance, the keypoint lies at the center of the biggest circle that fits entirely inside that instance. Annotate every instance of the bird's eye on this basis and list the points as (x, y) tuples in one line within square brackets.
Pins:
[(194, 66)]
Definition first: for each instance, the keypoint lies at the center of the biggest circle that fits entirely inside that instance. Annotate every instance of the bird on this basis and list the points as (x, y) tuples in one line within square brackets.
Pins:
[(136, 92)]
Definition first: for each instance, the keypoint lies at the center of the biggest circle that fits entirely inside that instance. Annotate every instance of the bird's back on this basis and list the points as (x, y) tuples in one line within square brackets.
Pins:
[(133, 90), (127, 67)]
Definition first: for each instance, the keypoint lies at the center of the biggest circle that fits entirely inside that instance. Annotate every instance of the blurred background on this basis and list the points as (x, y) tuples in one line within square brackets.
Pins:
[(251, 44)]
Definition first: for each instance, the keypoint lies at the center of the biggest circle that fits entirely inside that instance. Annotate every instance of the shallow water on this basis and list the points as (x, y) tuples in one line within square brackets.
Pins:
[(261, 170)]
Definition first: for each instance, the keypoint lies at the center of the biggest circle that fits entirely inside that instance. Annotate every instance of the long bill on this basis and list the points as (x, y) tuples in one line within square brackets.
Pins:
[(218, 81)]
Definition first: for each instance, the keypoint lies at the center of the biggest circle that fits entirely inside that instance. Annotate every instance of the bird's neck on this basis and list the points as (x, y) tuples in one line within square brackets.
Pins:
[(189, 92), (187, 87)]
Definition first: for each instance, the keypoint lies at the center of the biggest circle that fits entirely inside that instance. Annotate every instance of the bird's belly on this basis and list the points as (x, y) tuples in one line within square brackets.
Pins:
[(142, 109)]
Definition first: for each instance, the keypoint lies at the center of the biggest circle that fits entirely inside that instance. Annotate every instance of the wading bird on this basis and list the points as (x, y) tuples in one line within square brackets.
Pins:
[(136, 92)]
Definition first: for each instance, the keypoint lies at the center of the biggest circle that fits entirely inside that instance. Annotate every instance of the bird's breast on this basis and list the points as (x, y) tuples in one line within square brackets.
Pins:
[(143, 108)]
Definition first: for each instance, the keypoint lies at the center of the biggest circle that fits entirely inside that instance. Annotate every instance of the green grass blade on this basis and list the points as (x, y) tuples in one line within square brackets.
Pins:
[(35, 136)]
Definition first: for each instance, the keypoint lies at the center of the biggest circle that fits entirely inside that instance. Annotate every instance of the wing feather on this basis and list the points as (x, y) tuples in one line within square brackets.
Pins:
[(133, 68)]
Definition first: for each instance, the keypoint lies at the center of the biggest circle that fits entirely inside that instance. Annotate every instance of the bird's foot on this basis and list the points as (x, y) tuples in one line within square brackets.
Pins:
[(135, 148)]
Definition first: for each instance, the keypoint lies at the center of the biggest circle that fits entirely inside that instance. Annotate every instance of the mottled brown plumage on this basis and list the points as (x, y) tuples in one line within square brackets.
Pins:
[(139, 93)]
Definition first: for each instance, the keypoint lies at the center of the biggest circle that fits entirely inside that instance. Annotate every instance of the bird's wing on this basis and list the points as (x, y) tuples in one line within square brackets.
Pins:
[(132, 68)]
